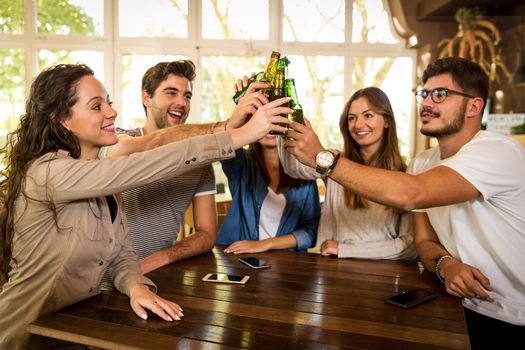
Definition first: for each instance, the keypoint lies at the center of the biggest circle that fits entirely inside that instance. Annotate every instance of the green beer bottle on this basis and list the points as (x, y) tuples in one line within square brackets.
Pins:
[(297, 114), (268, 76)]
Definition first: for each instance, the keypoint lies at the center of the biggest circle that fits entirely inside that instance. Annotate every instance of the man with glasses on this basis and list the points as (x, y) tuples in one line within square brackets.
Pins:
[(468, 198)]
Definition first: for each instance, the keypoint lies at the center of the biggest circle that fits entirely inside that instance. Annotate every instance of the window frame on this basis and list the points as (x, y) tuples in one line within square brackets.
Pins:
[(194, 47)]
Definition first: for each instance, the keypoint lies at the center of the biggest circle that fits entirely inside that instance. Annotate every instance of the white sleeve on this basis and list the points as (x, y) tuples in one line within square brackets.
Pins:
[(491, 165), (292, 166)]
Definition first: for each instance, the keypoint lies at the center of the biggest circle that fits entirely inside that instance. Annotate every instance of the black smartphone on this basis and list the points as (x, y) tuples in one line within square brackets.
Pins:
[(411, 298), (254, 263), (226, 278)]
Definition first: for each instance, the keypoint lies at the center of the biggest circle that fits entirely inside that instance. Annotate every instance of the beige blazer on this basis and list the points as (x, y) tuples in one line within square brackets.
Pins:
[(58, 263)]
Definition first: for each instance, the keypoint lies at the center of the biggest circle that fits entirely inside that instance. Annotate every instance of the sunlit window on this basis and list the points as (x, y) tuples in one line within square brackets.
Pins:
[(370, 23), (12, 16), (153, 18), (93, 59), (314, 21), (71, 17), (235, 19), (12, 88), (335, 47)]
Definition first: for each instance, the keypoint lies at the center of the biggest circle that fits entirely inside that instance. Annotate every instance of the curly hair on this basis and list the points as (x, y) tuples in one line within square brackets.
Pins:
[(388, 156), (39, 131)]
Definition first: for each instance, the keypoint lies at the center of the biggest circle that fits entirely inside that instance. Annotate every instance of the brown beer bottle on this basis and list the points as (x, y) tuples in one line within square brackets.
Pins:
[(278, 92), (268, 76)]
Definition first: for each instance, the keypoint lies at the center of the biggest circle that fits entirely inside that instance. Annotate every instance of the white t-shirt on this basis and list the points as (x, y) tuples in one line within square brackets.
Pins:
[(487, 232), (271, 212)]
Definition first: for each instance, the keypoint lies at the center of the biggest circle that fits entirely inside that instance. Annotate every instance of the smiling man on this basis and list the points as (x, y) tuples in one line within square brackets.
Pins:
[(156, 211)]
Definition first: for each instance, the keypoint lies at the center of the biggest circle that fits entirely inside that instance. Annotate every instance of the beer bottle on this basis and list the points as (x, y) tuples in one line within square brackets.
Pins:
[(297, 114), (268, 76), (278, 92)]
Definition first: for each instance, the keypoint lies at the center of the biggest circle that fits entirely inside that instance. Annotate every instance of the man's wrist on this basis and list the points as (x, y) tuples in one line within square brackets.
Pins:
[(439, 263)]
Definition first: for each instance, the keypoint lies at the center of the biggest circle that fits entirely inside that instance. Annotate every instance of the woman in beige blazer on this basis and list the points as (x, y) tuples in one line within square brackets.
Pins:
[(61, 222)]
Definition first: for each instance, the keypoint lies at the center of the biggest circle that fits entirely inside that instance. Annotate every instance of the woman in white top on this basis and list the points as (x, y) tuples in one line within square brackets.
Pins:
[(351, 226)]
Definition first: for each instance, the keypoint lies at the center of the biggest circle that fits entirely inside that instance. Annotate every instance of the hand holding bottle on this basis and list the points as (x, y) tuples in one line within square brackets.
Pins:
[(303, 142), (248, 104), (262, 122)]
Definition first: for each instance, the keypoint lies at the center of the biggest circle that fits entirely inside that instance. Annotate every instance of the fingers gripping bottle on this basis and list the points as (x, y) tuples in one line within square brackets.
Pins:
[(268, 76), (297, 114)]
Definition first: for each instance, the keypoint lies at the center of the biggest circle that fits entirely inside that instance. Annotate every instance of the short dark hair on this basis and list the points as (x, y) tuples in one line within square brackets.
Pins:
[(159, 72), (468, 75)]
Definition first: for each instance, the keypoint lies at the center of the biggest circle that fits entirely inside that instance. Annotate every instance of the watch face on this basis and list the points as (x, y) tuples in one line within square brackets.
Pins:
[(324, 159)]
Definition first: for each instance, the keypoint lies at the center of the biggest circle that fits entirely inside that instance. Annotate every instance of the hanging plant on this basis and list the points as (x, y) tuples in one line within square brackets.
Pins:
[(478, 40)]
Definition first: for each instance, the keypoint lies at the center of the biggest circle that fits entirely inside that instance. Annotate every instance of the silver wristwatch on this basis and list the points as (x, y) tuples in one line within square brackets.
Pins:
[(325, 162)]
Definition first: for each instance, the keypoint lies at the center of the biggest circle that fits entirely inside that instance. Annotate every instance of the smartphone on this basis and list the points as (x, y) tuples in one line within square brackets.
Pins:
[(411, 298), (226, 278), (254, 263)]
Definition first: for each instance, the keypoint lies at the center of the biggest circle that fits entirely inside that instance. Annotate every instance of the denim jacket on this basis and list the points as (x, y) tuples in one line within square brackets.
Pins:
[(249, 188)]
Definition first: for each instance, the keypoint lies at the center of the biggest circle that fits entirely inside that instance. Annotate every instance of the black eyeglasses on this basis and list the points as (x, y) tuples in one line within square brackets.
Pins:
[(437, 95)]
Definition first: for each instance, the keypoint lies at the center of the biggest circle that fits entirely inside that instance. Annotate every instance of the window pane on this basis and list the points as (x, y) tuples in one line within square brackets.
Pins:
[(93, 59), (219, 76), (320, 88), (313, 21), (133, 68), (391, 75), (371, 23), (12, 16), (153, 18), (71, 17), (235, 19), (12, 89)]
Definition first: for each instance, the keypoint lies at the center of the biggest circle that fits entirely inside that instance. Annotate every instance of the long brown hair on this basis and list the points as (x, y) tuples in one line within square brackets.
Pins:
[(387, 156), (39, 131), (285, 181)]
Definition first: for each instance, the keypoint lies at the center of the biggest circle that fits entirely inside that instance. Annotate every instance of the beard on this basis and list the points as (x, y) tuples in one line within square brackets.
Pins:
[(162, 120), (453, 127)]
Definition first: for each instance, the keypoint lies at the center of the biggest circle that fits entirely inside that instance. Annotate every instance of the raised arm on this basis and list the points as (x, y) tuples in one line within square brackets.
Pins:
[(392, 188), (247, 106)]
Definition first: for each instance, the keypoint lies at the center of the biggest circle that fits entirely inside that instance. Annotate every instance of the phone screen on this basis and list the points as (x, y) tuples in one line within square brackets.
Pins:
[(256, 263), (411, 297), (225, 278)]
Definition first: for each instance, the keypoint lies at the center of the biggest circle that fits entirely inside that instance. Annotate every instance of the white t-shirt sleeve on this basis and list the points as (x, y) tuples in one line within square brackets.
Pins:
[(492, 165)]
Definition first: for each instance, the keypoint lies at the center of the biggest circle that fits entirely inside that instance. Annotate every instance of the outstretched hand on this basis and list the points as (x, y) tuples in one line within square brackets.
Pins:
[(263, 121), (303, 142), (142, 299), (248, 104)]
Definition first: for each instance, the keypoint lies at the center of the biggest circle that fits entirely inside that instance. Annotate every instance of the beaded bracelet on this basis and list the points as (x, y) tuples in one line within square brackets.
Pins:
[(438, 263)]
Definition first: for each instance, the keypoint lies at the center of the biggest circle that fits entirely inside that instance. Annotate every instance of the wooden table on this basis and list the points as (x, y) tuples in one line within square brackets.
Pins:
[(304, 301)]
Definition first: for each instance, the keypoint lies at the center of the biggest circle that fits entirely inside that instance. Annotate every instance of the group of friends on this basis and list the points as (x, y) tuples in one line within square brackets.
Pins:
[(459, 208)]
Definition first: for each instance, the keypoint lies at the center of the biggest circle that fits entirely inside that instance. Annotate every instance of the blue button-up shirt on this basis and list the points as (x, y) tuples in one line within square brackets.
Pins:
[(249, 188)]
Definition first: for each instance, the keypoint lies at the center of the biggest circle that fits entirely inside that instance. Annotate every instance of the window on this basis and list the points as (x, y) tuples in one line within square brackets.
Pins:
[(335, 47)]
